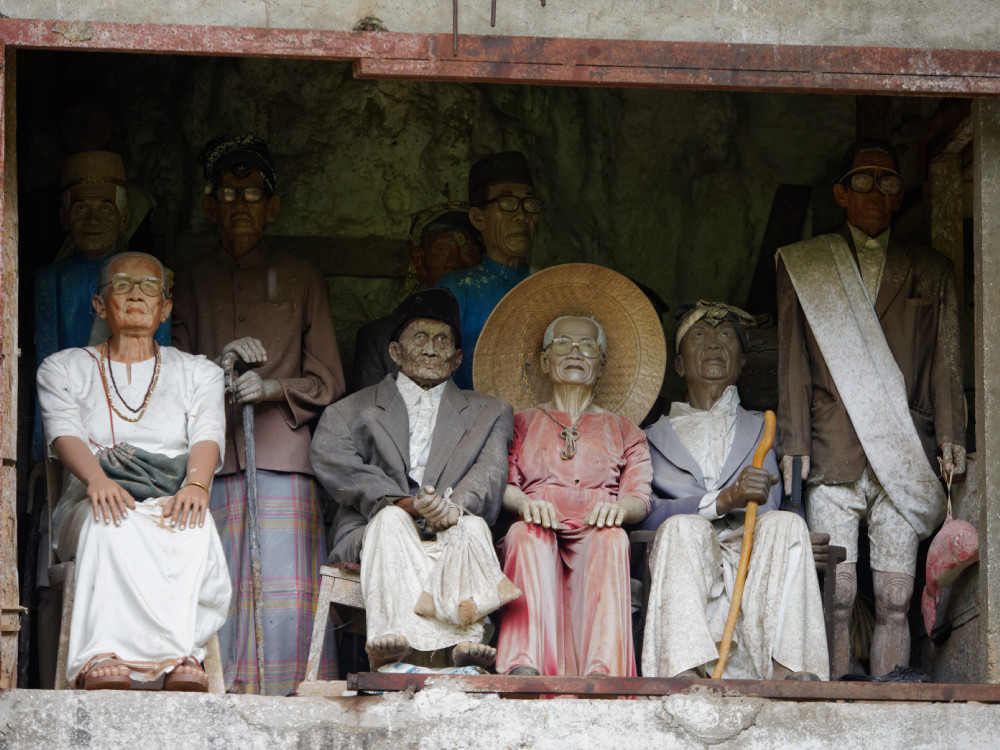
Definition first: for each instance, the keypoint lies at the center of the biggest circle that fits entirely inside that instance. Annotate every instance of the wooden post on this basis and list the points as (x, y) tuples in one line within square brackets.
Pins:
[(986, 217), (9, 595)]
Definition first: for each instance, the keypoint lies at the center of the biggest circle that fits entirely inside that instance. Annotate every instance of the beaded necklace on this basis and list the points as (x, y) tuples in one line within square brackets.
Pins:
[(149, 391)]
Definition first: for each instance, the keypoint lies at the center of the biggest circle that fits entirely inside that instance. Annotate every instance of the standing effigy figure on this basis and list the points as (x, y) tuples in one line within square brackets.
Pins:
[(871, 390), (703, 478), (271, 312), (419, 468), (94, 210), (443, 241), (505, 209), (139, 429), (578, 343)]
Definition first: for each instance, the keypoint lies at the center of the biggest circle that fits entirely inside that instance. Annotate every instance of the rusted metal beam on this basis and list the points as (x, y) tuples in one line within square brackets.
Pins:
[(609, 687), (567, 61)]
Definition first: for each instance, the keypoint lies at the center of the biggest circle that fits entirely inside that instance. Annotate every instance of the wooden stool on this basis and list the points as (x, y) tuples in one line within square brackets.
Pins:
[(340, 589)]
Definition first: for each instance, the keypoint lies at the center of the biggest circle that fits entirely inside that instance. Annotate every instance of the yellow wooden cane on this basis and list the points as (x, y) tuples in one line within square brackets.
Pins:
[(748, 526)]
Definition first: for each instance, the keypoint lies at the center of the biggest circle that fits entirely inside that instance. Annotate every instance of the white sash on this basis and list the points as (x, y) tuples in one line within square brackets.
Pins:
[(868, 378)]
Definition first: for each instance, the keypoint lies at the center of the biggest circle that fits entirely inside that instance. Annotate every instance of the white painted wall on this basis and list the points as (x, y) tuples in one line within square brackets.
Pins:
[(959, 24)]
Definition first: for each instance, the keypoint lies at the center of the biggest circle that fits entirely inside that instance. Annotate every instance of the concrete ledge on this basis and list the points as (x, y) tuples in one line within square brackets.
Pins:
[(442, 718)]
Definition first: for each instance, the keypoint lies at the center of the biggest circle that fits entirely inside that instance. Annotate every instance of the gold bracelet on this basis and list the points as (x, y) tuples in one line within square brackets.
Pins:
[(197, 484)]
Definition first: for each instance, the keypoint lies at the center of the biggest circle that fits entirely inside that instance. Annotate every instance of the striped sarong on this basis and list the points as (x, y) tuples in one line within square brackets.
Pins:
[(293, 547)]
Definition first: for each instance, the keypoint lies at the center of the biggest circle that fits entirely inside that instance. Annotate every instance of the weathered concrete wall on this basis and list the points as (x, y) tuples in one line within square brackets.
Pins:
[(960, 24), (437, 718), (669, 187)]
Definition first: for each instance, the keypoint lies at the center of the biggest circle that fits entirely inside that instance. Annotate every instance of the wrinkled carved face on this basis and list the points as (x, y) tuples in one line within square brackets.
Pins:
[(710, 354), (443, 253), (93, 219), (573, 368), (507, 235), (134, 311), (425, 352), (241, 217), (870, 212)]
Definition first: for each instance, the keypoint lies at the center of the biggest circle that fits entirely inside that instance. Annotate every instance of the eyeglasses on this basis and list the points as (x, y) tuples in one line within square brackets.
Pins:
[(531, 204), (564, 345), (252, 194), (122, 284), (863, 179)]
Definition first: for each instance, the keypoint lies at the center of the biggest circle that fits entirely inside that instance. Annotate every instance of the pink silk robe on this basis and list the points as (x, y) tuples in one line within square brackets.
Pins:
[(575, 615)]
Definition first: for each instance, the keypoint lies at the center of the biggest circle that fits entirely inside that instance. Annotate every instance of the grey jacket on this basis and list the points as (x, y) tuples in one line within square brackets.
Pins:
[(678, 484), (361, 455)]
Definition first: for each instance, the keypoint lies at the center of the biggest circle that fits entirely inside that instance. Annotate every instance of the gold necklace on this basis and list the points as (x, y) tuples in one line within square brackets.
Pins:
[(569, 433), (149, 391)]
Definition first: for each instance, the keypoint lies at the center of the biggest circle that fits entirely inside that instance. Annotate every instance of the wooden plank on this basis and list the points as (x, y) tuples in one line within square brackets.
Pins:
[(627, 686), (986, 219), (366, 257), (9, 589)]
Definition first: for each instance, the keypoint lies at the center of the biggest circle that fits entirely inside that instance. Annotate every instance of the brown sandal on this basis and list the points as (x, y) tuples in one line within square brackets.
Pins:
[(188, 677), (117, 680)]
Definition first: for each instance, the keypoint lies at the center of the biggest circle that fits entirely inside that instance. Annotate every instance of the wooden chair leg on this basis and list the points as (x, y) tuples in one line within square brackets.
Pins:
[(835, 638), (68, 595), (319, 628), (213, 666)]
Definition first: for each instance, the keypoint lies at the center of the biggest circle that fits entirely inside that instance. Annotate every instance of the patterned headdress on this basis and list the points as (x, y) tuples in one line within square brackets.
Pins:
[(238, 155)]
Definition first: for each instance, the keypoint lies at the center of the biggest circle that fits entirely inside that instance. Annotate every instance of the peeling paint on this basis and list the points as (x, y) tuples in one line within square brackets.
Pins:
[(74, 31)]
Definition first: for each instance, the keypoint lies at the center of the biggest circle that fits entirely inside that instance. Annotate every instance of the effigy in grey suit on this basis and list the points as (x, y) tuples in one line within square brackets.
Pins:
[(418, 468)]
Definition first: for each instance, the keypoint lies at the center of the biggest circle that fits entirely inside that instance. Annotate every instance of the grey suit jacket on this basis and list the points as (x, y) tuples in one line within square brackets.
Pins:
[(678, 484), (361, 455)]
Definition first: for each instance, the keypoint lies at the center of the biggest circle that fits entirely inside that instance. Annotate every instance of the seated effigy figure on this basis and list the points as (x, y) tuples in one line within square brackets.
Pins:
[(443, 240), (140, 429), (703, 478), (590, 345), (418, 467)]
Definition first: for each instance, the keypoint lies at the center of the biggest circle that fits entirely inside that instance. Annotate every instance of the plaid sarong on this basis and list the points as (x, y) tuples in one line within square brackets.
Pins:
[(293, 547)]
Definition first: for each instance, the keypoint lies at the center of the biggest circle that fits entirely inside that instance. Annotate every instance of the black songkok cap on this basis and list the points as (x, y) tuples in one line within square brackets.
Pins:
[(239, 155), (434, 304), (495, 169)]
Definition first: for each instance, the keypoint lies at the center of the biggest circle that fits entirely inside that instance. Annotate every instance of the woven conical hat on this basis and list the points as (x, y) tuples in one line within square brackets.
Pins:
[(506, 359)]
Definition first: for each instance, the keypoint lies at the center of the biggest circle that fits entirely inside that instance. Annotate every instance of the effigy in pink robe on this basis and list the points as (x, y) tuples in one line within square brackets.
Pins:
[(575, 615)]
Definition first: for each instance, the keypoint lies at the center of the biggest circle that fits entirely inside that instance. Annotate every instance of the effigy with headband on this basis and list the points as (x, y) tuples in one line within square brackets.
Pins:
[(712, 313), (506, 362), (238, 155)]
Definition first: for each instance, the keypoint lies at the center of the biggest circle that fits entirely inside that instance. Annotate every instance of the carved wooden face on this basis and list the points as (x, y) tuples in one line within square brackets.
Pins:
[(134, 311), (507, 235), (425, 352), (870, 212), (242, 217), (443, 253), (573, 368), (710, 354), (94, 220)]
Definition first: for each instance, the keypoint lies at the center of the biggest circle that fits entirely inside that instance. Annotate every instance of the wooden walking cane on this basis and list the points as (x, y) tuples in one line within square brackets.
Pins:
[(252, 520), (748, 526)]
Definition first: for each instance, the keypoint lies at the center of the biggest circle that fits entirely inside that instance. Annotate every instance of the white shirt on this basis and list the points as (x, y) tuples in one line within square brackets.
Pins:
[(871, 259), (708, 436), (422, 411)]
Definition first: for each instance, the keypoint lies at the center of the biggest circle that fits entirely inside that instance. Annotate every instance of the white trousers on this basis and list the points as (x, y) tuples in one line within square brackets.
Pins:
[(397, 566), (693, 577)]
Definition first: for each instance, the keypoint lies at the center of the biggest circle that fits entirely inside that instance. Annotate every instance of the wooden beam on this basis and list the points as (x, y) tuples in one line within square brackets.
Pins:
[(9, 589), (986, 219)]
